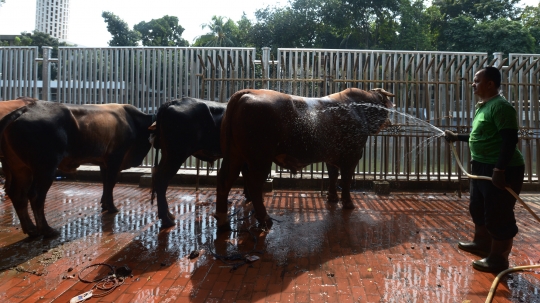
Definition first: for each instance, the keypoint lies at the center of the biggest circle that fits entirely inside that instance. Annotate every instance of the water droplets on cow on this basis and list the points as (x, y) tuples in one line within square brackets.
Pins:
[(262, 127)]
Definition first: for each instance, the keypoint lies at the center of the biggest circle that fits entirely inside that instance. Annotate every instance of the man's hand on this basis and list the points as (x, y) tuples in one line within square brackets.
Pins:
[(498, 178), (450, 136)]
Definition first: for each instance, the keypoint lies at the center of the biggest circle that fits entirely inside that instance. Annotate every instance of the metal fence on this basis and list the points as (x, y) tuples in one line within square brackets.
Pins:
[(433, 87)]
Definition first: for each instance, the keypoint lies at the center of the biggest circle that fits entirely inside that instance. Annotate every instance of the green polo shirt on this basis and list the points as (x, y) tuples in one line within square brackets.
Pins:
[(484, 139)]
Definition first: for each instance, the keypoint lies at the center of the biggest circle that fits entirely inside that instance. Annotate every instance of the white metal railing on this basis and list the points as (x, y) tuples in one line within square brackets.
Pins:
[(434, 86), (18, 72)]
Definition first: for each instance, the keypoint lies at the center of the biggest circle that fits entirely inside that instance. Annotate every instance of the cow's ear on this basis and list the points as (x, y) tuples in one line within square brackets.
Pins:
[(152, 127), (382, 91)]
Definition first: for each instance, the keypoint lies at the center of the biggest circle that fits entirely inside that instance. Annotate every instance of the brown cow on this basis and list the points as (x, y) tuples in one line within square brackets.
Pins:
[(8, 106), (43, 136), (263, 126)]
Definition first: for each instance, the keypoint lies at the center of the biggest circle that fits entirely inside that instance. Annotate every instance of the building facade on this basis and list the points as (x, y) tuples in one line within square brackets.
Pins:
[(52, 17)]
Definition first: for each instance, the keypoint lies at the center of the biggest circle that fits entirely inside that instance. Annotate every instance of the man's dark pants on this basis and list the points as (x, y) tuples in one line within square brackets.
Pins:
[(494, 207)]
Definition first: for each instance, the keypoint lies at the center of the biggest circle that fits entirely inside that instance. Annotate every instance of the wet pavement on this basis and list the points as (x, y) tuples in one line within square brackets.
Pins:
[(393, 248)]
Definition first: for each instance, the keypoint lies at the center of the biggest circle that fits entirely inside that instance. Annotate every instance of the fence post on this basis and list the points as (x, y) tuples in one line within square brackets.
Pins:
[(266, 61), (46, 74), (499, 57)]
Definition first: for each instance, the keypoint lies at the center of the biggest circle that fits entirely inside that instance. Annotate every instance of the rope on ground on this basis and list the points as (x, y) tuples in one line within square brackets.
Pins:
[(105, 284)]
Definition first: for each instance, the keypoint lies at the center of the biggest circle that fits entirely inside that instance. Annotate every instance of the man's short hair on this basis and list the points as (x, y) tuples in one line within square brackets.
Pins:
[(492, 74)]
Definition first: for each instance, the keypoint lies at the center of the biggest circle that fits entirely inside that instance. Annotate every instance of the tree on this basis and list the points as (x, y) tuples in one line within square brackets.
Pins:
[(479, 9), (414, 33), (295, 26), (531, 22), (164, 31), (435, 23), (503, 35), (119, 29), (40, 39), (328, 24), (458, 34), (221, 33), (242, 32)]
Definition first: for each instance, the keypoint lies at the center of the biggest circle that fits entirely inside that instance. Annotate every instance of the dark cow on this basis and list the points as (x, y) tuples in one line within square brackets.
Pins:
[(262, 126), (8, 106), (44, 136), (183, 128)]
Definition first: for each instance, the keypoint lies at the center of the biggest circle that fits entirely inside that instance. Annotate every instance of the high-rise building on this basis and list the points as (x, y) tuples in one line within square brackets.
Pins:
[(52, 17)]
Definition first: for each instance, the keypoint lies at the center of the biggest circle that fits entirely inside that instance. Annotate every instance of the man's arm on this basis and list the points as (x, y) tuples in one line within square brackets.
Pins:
[(508, 147)]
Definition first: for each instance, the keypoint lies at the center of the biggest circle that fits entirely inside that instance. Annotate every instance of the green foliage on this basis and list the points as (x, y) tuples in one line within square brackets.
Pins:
[(413, 28), (222, 33), (164, 31), (40, 39), (244, 26), (458, 34), (479, 9), (119, 29), (503, 35), (531, 22)]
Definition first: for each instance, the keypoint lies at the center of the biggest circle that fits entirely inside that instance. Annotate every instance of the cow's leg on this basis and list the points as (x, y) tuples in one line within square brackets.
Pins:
[(227, 174), (258, 172), (38, 194), (333, 173), (18, 185), (346, 179), (245, 173), (109, 174), (161, 176)]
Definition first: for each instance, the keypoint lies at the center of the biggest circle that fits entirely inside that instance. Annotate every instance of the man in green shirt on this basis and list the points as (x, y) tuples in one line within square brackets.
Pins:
[(493, 145)]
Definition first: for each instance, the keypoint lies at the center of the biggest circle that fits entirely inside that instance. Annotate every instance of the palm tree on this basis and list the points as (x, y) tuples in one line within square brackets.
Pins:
[(221, 33)]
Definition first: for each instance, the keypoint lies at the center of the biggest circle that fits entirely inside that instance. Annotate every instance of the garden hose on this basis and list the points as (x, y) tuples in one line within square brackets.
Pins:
[(493, 288)]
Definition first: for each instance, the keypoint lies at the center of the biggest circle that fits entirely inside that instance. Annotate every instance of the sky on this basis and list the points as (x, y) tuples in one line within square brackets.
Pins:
[(87, 27)]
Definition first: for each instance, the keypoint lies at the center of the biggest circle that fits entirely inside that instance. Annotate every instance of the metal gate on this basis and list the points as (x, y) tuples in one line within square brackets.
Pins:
[(432, 86)]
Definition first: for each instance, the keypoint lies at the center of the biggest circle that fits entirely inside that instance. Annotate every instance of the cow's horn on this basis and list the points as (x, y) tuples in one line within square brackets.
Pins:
[(382, 91), (152, 127)]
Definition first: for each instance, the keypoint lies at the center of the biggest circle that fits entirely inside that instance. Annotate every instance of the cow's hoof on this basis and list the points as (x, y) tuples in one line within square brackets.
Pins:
[(266, 223), (333, 199), (224, 228), (33, 233), (49, 232), (167, 222), (222, 222), (112, 209), (348, 205)]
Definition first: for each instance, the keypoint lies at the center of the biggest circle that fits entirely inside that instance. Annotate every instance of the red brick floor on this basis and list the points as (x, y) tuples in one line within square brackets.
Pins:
[(396, 248)]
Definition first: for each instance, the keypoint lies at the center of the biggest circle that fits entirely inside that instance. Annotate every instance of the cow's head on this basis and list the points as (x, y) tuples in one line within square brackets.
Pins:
[(384, 97), (385, 101)]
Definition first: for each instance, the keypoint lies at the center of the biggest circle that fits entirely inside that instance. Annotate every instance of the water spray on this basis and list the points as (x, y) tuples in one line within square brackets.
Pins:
[(495, 283)]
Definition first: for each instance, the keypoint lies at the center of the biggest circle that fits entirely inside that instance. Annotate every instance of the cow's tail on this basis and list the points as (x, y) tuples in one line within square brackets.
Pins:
[(12, 116), (4, 122), (227, 130), (156, 143)]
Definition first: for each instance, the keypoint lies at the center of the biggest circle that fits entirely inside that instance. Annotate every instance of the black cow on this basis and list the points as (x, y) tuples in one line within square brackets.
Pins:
[(42, 137), (183, 128)]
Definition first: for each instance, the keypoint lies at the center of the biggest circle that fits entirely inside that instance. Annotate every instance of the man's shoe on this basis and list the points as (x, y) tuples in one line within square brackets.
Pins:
[(497, 260), (481, 243)]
